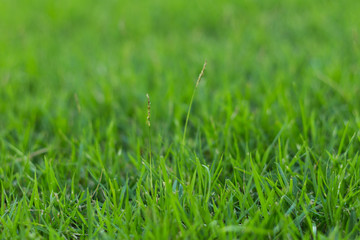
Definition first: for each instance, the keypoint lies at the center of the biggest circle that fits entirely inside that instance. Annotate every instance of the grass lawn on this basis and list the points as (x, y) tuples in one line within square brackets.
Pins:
[(269, 150)]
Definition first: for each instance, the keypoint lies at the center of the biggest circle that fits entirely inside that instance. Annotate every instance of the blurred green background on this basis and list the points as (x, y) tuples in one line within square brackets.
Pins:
[(79, 69), (72, 69)]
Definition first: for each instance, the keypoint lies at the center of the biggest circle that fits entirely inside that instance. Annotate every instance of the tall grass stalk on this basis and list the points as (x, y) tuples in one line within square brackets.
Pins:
[(191, 102), (148, 122)]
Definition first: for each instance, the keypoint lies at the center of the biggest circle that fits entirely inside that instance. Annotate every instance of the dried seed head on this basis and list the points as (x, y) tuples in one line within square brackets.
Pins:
[(201, 74), (148, 110)]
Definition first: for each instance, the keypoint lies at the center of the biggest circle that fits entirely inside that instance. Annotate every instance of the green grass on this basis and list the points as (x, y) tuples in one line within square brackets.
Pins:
[(271, 149)]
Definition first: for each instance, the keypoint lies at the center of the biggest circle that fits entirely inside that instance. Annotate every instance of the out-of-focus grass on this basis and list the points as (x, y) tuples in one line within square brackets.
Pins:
[(271, 149)]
